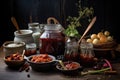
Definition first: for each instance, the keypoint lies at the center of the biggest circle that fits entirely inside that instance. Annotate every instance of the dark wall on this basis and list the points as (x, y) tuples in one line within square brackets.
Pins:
[(105, 10), (6, 28)]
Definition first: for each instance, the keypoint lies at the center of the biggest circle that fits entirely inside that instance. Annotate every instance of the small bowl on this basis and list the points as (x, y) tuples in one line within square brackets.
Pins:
[(73, 68), (14, 63), (10, 47), (41, 66)]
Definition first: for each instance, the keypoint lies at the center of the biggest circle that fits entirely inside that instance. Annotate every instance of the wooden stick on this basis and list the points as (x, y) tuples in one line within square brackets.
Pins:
[(15, 24), (30, 19), (88, 28)]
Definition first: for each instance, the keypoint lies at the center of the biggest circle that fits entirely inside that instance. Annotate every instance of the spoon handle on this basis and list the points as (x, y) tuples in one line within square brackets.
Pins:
[(15, 24), (61, 63), (88, 28), (23, 53)]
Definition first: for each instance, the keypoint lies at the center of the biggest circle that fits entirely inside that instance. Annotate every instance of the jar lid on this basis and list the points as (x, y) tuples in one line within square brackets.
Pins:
[(24, 32), (34, 24), (53, 27), (31, 46)]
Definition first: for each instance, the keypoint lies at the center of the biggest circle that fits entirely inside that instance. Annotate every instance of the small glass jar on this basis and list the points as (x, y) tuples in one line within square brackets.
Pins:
[(34, 27), (36, 37), (86, 53), (71, 50), (30, 49)]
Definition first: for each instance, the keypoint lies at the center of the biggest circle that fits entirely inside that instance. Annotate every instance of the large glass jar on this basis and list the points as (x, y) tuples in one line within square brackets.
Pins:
[(52, 40)]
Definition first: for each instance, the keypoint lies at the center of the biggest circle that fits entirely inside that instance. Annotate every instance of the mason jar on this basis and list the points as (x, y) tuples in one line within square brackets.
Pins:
[(52, 40), (87, 55), (71, 50)]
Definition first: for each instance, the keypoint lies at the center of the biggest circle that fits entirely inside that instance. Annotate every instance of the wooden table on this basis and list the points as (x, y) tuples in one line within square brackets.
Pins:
[(8, 74)]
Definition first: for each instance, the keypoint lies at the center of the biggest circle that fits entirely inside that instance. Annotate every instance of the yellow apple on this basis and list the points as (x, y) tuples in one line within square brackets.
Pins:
[(95, 41), (106, 33), (93, 36)]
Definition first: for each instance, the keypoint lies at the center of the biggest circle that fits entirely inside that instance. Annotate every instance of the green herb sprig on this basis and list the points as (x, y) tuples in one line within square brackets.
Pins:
[(74, 22)]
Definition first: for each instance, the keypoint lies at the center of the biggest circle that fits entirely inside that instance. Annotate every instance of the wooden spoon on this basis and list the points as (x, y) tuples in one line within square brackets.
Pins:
[(15, 24), (23, 53), (88, 28)]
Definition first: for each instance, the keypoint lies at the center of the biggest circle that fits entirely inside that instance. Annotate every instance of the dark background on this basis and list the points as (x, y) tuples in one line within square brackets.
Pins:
[(105, 10)]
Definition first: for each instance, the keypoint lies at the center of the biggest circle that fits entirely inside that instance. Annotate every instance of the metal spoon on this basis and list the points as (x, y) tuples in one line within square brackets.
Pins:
[(15, 24), (61, 63)]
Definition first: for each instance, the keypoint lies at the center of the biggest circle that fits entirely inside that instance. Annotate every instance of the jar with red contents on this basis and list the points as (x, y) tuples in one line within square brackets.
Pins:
[(87, 55), (71, 50), (31, 49), (52, 40)]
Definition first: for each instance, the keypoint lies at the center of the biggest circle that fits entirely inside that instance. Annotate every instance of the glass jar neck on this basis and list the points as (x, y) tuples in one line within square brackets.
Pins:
[(52, 27)]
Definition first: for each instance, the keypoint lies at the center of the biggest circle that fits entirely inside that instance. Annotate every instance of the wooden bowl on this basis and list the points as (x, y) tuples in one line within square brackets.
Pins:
[(14, 63), (73, 68), (10, 47), (109, 44)]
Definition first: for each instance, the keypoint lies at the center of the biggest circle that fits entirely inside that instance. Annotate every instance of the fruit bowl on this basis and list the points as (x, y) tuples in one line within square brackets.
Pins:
[(106, 45), (105, 50), (101, 40)]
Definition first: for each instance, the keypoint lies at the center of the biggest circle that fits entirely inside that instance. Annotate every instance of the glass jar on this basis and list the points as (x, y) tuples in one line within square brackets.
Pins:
[(35, 27), (71, 49), (86, 53), (52, 40), (31, 49)]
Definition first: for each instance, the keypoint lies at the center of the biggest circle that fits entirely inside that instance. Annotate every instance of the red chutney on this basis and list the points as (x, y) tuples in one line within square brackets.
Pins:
[(72, 65), (52, 41), (71, 57), (87, 60)]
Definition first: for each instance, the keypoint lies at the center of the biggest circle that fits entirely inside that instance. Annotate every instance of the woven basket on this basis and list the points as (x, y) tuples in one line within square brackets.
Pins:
[(110, 44)]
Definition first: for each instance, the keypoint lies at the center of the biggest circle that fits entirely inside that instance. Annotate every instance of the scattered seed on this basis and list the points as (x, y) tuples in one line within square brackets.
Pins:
[(28, 75)]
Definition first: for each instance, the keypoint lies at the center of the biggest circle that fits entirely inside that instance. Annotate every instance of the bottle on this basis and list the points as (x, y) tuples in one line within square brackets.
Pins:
[(52, 40)]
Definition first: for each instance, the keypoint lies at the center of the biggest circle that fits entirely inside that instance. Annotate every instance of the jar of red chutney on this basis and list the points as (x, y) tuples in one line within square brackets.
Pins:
[(52, 40), (87, 55), (71, 49)]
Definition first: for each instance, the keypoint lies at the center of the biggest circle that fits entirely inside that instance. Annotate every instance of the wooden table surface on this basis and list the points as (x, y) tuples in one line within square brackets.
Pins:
[(9, 74)]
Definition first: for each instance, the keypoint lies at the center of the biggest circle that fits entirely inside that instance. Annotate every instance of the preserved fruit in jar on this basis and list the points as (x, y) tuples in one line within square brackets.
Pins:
[(52, 41)]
